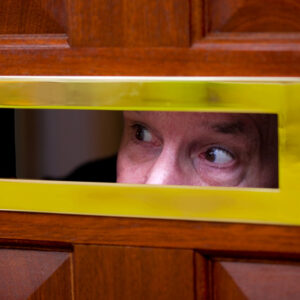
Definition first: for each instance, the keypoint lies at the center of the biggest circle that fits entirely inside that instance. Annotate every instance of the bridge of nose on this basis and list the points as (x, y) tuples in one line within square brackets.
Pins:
[(166, 168)]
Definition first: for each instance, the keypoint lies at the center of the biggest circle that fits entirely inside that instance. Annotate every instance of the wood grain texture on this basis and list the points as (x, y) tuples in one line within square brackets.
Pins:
[(207, 59), (263, 240), (32, 274), (33, 41), (259, 281), (148, 37), (58, 286), (127, 23), (132, 273), (201, 276), (272, 16), (32, 16), (197, 20)]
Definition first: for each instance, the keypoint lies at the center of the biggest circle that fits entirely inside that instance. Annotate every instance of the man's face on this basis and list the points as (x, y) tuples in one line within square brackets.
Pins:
[(203, 149)]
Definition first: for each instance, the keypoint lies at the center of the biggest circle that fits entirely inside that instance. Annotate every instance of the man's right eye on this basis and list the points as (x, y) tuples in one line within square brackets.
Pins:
[(142, 133)]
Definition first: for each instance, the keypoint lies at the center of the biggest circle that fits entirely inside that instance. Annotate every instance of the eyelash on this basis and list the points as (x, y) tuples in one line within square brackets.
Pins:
[(139, 127), (135, 127), (232, 160)]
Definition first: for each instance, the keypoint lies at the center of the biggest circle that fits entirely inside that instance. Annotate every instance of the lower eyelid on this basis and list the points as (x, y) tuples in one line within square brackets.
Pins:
[(222, 166), (204, 162)]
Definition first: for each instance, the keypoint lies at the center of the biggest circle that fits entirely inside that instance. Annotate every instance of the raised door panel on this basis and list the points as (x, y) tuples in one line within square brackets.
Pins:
[(255, 280), (32, 16), (150, 37), (244, 16), (128, 23), (33, 274), (105, 272), (32, 24)]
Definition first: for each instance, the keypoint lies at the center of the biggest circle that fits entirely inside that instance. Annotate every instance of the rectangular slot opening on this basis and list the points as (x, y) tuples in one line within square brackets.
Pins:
[(218, 149)]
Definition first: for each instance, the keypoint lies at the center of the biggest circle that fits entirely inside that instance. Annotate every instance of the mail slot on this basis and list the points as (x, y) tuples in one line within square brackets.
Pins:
[(162, 170)]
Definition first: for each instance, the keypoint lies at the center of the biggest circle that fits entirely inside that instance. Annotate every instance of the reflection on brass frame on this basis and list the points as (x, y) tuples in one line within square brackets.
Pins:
[(254, 95)]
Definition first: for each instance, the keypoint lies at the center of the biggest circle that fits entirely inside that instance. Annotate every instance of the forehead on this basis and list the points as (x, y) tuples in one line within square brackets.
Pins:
[(187, 119), (192, 125)]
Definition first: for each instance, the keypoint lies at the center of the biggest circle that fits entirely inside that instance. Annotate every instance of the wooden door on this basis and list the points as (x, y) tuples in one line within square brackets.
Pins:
[(148, 37), (48, 256)]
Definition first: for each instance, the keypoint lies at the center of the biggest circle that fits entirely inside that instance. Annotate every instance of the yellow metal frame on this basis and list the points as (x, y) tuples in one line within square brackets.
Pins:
[(279, 96)]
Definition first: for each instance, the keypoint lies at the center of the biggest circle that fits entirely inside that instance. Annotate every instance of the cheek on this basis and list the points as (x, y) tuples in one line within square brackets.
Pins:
[(214, 176), (221, 177), (133, 165), (127, 172), (255, 175)]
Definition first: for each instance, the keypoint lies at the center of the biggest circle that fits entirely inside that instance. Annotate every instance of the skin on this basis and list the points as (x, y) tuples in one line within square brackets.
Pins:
[(201, 149)]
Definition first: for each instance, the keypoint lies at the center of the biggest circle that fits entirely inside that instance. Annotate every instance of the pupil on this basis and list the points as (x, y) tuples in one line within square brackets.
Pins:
[(139, 133), (210, 155)]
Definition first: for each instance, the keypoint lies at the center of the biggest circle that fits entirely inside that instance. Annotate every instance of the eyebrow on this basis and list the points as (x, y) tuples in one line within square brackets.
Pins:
[(229, 128)]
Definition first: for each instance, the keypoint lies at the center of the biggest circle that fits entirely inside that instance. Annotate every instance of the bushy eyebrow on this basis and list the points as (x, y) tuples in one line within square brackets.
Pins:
[(229, 128)]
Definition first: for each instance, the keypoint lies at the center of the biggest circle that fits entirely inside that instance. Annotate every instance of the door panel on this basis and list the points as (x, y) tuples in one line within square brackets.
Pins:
[(127, 23), (32, 17), (269, 16), (32, 274), (105, 272), (259, 280), (147, 37)]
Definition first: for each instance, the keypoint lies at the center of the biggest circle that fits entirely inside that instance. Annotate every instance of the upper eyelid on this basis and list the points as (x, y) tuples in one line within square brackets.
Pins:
[(146, 126), (223, 149), (204, 148), (135, 126), (136, 123), (233, 162)]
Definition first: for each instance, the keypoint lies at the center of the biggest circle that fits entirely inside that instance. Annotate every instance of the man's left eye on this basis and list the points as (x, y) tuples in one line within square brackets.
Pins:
[(218, 156)]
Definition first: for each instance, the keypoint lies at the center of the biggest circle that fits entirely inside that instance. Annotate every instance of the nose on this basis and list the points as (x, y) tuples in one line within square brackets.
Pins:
[(166, 169)]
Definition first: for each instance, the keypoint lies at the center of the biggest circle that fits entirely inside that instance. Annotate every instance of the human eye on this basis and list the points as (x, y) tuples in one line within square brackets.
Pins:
[(218, 156), (141, 133)]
